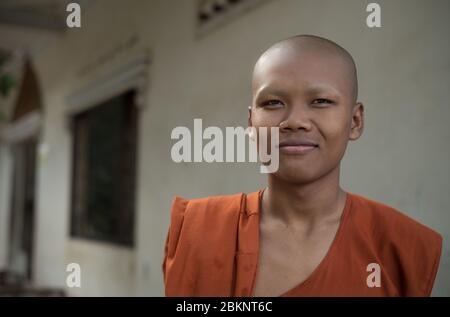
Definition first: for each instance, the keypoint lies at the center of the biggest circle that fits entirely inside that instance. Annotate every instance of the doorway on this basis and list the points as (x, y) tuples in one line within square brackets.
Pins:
[(22, 210)]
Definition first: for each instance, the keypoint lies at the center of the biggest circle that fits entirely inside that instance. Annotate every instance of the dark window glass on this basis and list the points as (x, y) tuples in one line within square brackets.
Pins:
[(104, 171)]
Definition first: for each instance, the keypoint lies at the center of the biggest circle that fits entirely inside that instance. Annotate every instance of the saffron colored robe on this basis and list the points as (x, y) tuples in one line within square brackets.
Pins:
[(212, 250)]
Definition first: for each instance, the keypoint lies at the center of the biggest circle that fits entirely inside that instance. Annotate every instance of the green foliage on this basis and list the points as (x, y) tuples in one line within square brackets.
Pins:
[(7, 82)]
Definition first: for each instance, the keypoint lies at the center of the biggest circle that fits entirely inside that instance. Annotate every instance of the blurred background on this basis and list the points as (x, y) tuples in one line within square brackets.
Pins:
[(86, 116)]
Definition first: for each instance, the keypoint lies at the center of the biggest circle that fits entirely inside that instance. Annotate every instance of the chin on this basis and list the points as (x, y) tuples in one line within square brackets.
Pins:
[(295, 174)]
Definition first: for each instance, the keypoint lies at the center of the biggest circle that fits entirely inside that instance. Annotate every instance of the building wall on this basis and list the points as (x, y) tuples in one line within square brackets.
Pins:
[(400, 160)]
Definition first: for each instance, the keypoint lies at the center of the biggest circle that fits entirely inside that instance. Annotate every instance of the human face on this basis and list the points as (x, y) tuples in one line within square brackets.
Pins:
[(309, 96)]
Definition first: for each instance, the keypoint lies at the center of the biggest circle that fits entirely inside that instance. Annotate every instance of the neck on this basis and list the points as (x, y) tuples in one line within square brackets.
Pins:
[(309, 203)]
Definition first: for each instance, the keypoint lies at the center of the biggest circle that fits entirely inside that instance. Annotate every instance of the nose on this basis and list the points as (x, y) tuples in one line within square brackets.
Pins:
[(297, 118)]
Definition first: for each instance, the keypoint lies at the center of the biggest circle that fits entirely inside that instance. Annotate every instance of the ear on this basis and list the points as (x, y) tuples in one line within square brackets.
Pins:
[(357, 125), (249, 116), (251, 132)]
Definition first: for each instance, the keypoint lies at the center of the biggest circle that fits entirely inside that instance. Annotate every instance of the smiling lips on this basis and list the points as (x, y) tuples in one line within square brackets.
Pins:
[(297, 146)]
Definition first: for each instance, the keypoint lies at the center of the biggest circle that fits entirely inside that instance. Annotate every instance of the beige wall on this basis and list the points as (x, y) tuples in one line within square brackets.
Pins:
[(401, 159)]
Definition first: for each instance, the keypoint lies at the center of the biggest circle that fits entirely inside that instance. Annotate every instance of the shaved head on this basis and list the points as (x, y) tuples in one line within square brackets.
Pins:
[(307, 87), (304, 46)]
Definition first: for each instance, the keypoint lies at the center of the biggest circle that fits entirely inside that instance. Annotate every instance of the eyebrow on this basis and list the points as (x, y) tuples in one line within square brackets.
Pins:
[(313, 89), (267, 89)]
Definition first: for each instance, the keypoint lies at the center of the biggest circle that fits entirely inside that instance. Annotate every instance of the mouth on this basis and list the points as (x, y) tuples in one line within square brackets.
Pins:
[(297, 147)]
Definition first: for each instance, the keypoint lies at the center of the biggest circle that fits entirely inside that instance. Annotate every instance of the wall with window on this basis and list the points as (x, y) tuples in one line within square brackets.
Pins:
[(403, 72)]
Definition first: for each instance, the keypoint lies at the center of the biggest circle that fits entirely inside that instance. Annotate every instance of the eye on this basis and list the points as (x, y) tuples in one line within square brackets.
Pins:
[(322, 101), (272, 104)]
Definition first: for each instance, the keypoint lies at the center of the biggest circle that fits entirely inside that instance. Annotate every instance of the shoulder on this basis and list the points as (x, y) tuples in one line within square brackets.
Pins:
[(202, 233), (191, 220), (390, 221), (216, 206), (409, 250)]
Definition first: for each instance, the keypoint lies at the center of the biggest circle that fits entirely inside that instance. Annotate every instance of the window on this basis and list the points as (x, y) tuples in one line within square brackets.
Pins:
[(104, 168), (212, 14)]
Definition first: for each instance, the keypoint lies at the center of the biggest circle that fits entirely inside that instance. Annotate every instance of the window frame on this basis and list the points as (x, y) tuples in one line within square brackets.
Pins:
[(80, 187)]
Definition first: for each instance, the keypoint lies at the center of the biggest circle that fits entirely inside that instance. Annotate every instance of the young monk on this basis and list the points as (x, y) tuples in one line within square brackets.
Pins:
[(302, 235)]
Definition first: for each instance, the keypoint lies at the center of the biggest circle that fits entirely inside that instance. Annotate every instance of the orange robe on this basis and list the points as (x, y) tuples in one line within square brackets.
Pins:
[(212, 250)]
